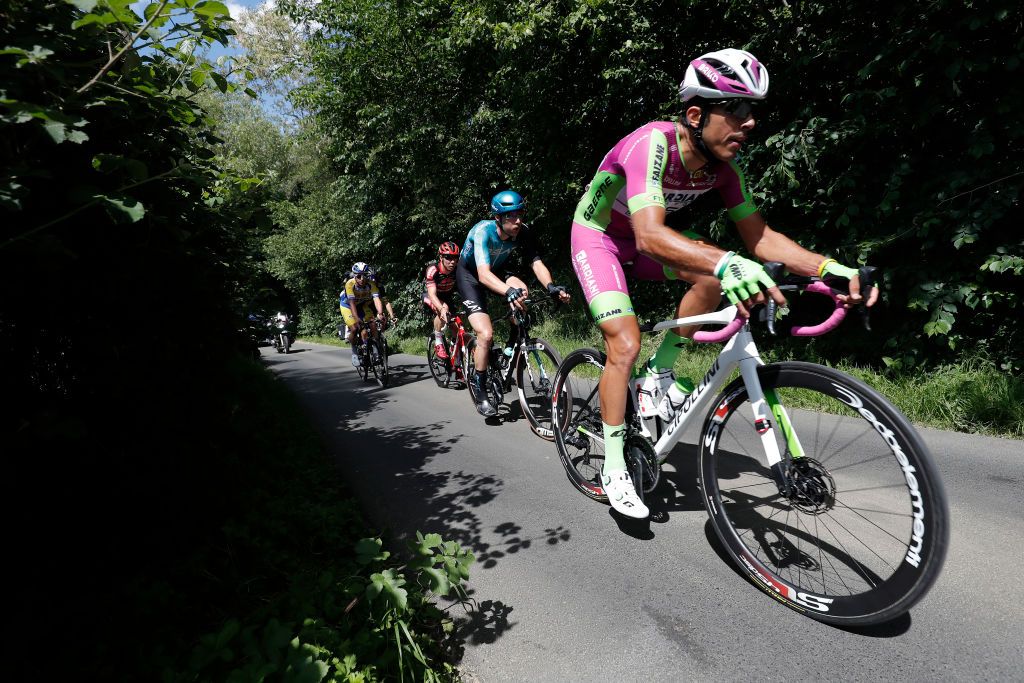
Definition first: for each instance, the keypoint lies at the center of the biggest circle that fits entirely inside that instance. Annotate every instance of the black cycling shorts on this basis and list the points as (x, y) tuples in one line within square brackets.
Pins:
[(473, 292)]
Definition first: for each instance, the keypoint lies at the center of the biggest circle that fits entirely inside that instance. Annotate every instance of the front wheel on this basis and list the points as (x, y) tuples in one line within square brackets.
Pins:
[(853, 527), (535, 374), (438, 367), (286, 342), (364, 364), (378, 359)]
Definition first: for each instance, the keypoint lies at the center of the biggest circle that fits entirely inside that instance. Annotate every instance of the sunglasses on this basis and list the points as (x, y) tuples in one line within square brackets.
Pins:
[(360, 276), (448, 257), (741, 109)]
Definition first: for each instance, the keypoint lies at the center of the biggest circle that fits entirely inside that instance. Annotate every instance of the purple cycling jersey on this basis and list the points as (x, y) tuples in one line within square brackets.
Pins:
[(646, 169)]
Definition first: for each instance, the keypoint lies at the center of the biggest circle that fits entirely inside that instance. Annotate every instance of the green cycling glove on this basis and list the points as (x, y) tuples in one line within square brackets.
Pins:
[(741, 278)]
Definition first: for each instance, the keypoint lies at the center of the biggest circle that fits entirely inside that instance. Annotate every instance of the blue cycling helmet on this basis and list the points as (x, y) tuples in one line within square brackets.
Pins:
[(507, 201)]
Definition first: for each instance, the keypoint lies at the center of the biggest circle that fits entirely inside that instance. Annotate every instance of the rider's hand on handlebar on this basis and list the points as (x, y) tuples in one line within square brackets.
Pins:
[(855, 298), (558, 292), (514, 296), (743, 281)]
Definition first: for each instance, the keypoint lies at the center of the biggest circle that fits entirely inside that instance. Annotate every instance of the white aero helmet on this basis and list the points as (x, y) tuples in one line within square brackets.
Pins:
[(725, 74)]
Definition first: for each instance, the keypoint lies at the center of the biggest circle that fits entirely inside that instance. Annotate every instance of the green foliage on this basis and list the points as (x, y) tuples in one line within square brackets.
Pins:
[(883, 137), (179, 492), (374, 621)]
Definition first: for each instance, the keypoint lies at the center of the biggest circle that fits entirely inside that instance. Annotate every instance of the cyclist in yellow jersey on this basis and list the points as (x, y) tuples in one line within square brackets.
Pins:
[(357, 302)]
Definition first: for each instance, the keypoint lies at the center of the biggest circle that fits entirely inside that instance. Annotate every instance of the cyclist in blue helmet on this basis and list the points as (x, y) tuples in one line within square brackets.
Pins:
[(483, 267)]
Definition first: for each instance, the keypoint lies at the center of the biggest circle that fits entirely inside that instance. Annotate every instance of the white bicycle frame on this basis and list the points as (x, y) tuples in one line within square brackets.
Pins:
[(739, 351)]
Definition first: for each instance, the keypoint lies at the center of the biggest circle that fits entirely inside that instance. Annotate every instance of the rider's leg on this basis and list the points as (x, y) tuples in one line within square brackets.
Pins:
[(484, 331), (704, 296), (481, 323), (597, 259), (439, 348), (622, 343)]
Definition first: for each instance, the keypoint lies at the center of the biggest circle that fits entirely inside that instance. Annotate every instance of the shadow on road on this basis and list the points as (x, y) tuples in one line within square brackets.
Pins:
[(389, 470)]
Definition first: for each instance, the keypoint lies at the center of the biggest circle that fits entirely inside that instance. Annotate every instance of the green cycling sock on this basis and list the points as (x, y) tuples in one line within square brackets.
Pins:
[(665, 357), (614, 458)]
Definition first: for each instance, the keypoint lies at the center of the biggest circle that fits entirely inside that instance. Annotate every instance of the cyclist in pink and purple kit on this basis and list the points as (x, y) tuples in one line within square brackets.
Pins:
[(619, 232)]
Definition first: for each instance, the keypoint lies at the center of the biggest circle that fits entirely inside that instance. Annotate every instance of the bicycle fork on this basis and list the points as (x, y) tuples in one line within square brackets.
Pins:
[(765, 405)]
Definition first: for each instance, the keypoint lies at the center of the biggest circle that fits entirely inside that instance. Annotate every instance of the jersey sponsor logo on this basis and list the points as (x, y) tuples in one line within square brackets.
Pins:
[(608, 314), (706, 69), (678, 200), (596, 198), (658, 163), (586, 274)]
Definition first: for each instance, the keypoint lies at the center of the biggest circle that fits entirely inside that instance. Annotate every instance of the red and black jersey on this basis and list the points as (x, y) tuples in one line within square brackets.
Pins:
[(445, 283)]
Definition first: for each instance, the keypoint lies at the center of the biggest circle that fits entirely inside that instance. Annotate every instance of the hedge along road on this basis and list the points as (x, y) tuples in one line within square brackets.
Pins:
[(567, 593)]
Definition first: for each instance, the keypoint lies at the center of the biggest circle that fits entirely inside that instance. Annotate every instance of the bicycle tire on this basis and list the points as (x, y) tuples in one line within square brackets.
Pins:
[(438, 368), (579, 440), (380, 363), (362, 369), (534, 381), (866, 535)]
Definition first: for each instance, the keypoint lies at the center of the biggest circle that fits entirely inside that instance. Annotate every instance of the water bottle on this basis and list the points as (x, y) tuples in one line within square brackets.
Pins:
[(644, 399)]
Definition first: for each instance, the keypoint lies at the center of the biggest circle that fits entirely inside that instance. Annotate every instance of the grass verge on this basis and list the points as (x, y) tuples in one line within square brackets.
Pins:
[(972, 396)]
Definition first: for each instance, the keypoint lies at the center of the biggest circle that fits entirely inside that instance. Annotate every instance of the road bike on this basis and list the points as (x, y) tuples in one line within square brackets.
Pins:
[(373, 353), (450, 369), (527, 361), (840, 516)]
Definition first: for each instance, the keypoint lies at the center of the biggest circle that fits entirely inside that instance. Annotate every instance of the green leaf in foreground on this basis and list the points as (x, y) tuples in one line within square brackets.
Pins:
[(132, 209)]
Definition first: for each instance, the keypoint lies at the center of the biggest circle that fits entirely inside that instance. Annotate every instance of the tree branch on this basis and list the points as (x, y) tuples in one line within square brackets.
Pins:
[(113, 60)]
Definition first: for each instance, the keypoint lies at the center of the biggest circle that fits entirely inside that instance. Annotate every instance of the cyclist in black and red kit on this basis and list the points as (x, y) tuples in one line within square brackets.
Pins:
[(439, 291)]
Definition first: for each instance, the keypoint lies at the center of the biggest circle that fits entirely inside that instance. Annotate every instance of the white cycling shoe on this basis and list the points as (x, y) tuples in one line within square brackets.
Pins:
[(622, 495), (651, 389)]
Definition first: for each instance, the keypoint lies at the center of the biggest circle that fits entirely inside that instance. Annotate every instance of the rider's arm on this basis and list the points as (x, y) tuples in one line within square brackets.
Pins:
[(489, 280), (435, 301), (542, 273), (544, 277), (770, 245), (668, 247), (375, 296)]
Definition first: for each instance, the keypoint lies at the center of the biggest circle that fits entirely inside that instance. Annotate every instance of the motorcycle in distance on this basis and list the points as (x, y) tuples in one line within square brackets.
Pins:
[(281, 330)]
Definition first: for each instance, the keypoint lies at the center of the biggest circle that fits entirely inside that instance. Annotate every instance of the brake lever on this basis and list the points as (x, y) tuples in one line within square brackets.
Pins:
[(775, 270), (867, 282)]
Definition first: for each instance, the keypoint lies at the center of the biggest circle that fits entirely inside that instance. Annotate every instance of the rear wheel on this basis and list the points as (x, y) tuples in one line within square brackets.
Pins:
[(859, 532), (580, 436), (535, 375)]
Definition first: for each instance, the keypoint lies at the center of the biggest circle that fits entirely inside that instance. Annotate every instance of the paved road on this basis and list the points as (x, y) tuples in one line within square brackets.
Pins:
[(566, 593)]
